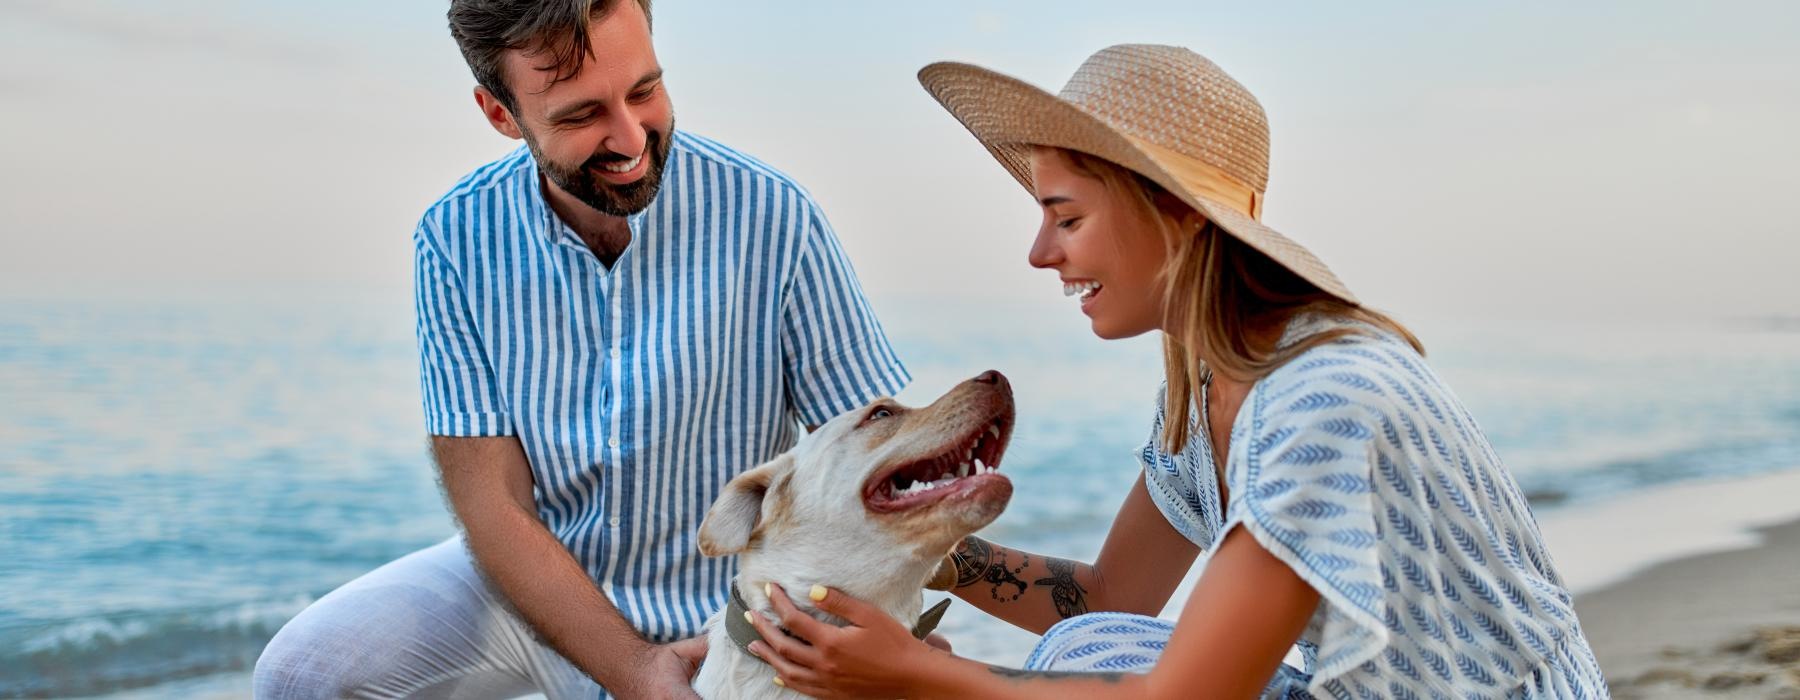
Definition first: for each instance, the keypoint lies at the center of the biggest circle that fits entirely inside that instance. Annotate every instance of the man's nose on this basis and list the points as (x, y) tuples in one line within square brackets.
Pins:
[(626, 135)]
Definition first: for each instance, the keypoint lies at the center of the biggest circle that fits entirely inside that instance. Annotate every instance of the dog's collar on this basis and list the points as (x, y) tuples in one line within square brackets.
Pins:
[(742, 633)]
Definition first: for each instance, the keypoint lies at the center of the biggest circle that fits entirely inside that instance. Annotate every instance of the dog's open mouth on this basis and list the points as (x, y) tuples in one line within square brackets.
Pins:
[(963, 468)]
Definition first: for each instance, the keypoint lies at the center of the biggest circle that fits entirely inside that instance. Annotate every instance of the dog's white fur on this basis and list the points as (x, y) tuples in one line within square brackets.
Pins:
[(801, 519)]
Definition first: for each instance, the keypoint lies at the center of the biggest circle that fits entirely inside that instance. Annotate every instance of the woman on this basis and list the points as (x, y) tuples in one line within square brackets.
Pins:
[(1350, 504)]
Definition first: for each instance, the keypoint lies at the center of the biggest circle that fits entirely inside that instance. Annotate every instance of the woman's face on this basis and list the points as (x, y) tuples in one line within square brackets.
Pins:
[(1109, 255)]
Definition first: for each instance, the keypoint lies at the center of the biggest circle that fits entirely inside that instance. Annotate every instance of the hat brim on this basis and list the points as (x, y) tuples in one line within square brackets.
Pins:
[(1009, 116)]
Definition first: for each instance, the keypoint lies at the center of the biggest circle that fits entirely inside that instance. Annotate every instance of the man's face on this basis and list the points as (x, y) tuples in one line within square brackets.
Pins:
[(604, 135)]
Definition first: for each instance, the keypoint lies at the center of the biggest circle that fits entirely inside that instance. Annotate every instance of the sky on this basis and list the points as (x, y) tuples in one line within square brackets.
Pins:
[(1520, 160)]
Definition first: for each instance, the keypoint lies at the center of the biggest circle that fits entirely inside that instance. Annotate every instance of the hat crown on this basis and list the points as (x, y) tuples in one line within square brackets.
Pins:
[(1179, 100)]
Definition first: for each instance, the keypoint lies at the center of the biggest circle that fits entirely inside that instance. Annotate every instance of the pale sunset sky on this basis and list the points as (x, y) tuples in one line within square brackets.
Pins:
[(1516, 160)]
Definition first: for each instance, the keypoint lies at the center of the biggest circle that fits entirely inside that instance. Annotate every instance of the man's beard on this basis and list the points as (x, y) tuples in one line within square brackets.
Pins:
[(613, 200)]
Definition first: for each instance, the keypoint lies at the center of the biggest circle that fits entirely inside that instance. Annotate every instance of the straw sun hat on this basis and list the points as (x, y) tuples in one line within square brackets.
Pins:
[(1164, 112)]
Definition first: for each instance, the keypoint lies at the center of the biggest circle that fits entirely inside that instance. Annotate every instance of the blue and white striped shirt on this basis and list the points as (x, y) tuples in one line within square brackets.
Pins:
[(640, 390)]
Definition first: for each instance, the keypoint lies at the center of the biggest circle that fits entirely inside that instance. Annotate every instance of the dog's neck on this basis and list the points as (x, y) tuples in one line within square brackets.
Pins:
[(893, 582)]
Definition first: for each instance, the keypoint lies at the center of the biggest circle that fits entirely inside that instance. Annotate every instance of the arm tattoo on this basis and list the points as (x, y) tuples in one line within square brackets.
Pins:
[(971, 559), (978, 561), (1070, 597), (1021, 675)]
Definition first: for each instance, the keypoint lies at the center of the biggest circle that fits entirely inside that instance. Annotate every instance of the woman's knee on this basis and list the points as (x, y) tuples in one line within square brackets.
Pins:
[(1101, 641)]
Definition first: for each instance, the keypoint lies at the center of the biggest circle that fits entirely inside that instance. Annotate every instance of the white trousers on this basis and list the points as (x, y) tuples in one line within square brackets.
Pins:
[(423, 626)]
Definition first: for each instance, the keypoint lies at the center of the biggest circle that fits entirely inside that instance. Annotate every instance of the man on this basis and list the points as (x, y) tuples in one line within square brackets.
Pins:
[(613, 322)]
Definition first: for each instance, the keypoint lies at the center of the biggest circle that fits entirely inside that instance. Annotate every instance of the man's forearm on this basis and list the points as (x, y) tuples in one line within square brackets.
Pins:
[(1028, 590), (550, 590)]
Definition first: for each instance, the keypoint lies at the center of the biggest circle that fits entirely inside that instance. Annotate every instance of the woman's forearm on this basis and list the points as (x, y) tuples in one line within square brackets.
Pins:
[(1028, 590)]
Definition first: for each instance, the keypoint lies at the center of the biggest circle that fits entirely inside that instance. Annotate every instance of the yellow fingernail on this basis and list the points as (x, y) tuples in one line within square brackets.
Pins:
[(748, 618), (778, 682), (817, 594), (768, 590)]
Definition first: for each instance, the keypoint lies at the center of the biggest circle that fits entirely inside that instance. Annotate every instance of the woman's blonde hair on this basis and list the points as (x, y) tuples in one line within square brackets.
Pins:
[(1217, 287)]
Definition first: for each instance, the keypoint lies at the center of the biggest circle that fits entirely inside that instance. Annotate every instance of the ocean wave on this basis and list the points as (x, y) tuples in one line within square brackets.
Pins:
[(117, 651), (1576, 483)]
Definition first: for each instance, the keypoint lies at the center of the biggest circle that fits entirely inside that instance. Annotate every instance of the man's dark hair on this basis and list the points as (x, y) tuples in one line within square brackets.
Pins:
[(484, 29)]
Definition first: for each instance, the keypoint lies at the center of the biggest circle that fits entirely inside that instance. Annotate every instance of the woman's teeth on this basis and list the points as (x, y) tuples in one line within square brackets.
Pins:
[(1086, 289), (621, 168)]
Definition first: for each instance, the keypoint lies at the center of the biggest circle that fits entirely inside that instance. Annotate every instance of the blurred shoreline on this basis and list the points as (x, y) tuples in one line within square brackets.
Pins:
[(1672, 586)]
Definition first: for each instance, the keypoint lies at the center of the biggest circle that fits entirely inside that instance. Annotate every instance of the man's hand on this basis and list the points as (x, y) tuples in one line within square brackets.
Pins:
[(692, 650), (665, 671)]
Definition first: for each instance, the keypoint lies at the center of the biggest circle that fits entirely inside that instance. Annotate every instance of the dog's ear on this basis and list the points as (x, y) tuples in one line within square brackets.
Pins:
[(739, 511)]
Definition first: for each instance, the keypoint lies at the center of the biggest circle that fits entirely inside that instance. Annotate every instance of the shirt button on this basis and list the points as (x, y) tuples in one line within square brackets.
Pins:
[(613, 442), (615, 353), (614, 521)]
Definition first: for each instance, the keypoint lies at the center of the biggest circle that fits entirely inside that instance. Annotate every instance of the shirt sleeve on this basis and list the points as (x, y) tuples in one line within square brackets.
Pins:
[(1184, 496), (457, 381), (1305, 493), (834, 352)]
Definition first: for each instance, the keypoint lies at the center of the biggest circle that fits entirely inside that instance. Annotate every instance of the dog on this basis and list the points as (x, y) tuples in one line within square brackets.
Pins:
[(868, 504)]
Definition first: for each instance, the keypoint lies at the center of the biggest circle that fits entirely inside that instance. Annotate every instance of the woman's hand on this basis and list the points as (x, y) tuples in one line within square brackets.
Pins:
[(873, 657)]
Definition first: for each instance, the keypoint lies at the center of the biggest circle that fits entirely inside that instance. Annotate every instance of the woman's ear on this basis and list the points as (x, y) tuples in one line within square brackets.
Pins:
[(734, 518), (1186, 218)]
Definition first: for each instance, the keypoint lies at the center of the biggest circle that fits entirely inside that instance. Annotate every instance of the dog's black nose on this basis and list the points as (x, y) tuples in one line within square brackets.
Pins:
[(991, 377)]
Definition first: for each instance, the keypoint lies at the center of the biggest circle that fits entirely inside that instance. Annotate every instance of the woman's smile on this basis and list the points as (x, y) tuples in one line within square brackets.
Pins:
[(1087, 290)]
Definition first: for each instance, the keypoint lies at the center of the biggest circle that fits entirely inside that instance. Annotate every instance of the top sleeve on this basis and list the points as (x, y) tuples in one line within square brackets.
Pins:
[(1183, 487), (456, 379), (1305, 493), (834, 353)]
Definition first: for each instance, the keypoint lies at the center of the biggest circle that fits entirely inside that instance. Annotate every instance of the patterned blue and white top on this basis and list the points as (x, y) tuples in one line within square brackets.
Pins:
[(639, 390), (1358, 468)]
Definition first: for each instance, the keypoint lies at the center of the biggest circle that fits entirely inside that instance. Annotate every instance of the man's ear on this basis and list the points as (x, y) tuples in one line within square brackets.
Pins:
[(497, 114), (738, 512)]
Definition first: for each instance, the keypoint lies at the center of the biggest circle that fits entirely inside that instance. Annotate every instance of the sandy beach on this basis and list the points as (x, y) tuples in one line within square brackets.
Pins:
[(1723, 623)]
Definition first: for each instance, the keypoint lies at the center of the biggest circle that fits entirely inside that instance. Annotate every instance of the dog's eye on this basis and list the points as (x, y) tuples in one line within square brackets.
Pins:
[(878, 414)]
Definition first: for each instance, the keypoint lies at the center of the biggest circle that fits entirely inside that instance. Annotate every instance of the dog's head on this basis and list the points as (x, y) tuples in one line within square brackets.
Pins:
[(876, 481)]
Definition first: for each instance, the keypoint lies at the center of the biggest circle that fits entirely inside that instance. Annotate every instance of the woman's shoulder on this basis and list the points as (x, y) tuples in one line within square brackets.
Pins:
[(1357, 376), (1358, 348)]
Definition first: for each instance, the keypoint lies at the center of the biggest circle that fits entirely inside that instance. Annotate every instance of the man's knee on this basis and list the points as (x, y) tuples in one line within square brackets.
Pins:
[(417, 620), (301, 664), (333, 647)]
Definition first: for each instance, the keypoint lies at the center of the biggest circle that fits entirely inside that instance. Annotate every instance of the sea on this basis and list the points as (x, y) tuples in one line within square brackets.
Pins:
[(179, 478)]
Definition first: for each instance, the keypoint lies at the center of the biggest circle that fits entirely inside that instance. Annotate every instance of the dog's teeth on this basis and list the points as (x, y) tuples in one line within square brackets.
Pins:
[(994, 430), (979, 467)]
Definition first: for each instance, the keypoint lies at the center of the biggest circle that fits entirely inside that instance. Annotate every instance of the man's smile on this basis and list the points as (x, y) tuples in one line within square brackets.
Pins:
[(622, 172)]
